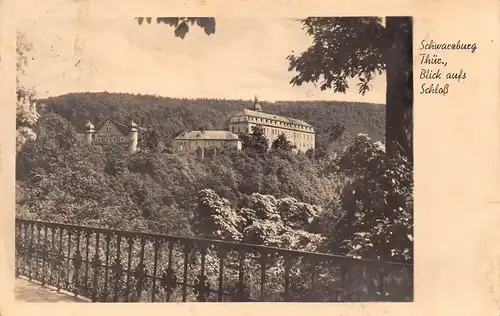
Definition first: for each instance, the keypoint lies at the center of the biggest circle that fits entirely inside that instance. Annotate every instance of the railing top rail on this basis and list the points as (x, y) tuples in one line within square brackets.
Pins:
[(244, 246)]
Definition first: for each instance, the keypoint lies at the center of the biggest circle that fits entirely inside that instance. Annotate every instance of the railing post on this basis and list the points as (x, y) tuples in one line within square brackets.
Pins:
[(140, 272), (68, 261), (168, 279), (187, 249), (45, 254), (221, 254), (117, 267), (130, 242), (30, 249), (156, 247), (37, 250), (106, 268), (263, 262), (202, 286), (77, 263), (286, 292), (60, 259), (96, 264), (88, 233)]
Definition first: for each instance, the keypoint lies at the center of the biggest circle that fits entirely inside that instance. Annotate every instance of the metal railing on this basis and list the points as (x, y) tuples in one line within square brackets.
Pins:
[(121, 266)]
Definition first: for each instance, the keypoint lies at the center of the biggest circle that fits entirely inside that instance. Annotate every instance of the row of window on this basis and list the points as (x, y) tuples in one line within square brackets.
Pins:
[(272, 122), (237, 129), (107, 139), (201, 142), (274, 131), (304, 145)]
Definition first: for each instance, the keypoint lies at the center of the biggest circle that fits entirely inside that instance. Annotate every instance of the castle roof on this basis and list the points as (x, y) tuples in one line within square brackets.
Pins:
[(207, 135), (124, 129), (269, 116), (89, 127), (256, 105)]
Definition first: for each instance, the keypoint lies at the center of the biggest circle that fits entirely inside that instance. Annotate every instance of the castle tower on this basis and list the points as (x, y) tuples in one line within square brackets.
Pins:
[(256, 105), (89, 131), (133, 138)]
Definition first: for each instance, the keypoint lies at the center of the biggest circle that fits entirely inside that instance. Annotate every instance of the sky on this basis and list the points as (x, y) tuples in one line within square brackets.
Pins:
[(244, 58)]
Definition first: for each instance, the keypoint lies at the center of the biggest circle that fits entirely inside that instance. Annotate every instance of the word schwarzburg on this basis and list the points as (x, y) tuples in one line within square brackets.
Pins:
[(431, 45)]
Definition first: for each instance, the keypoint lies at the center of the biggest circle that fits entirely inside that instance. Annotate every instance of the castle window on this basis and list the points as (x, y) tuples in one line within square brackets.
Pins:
[(114, 139), (108, 122), (108, 128), (121, 139), (107, 139), (98, 138)]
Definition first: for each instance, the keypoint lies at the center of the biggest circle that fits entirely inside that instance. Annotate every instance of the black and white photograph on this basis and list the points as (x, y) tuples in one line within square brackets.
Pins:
[(214, 159)]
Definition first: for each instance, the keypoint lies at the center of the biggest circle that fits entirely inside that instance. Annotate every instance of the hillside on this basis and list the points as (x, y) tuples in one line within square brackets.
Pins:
[(170, 116)]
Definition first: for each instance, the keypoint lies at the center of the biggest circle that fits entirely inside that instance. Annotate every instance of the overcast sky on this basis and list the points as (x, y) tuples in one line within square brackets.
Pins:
[(245, 57)]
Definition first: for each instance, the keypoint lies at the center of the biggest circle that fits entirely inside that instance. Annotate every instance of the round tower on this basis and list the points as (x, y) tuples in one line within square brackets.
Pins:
[(89, 132), (133, 137), (256, 105)]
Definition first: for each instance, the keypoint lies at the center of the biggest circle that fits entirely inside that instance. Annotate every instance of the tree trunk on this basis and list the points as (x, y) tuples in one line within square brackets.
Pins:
[(399, 93)]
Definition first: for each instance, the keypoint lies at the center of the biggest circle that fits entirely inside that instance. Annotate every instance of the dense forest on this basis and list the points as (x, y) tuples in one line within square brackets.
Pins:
[(336, 123)]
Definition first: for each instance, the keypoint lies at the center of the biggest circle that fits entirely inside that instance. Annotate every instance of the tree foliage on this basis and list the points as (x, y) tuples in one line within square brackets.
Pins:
[(26, 112), (261, 219), (362, 47), (150, 140), (181, 24), (281, 143), (377, 203), (256, 140)]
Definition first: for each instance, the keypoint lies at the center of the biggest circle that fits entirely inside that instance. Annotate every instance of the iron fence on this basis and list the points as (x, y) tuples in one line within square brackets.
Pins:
[(121, 266)]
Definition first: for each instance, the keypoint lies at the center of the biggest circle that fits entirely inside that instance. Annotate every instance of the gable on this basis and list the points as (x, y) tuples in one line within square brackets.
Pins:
[(108, 126)]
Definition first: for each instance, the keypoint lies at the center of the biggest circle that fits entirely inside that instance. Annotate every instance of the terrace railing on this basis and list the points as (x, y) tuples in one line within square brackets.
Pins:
[(120, 266)]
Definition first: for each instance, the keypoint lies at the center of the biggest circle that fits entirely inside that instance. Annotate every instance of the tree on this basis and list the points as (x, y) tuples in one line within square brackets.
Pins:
[(335, 131), (256, 140), (181, 24), (261, 219), (55, 127), (281, 143), (150, 141), (115, 160), (377, 204), (349, 47)]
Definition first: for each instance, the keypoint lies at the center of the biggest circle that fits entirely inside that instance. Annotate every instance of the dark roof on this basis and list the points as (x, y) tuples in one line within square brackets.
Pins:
[(207, 135), (124, 129), (121, 127), (269, 116)]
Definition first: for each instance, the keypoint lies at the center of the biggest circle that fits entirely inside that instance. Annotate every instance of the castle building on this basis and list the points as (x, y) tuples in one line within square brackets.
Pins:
[(206, 142), (112, 132), (297, 132)]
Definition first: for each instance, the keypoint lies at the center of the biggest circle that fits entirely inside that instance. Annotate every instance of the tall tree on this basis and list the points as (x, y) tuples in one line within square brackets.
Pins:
[(256, 140), (362, 47), (281, 143), (150, 140)]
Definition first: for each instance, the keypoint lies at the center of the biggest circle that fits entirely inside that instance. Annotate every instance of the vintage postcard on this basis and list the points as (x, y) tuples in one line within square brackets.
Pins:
[(287, 157)]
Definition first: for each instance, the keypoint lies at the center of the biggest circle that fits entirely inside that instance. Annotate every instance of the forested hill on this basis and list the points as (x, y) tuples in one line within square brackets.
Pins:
[(170, 116)]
